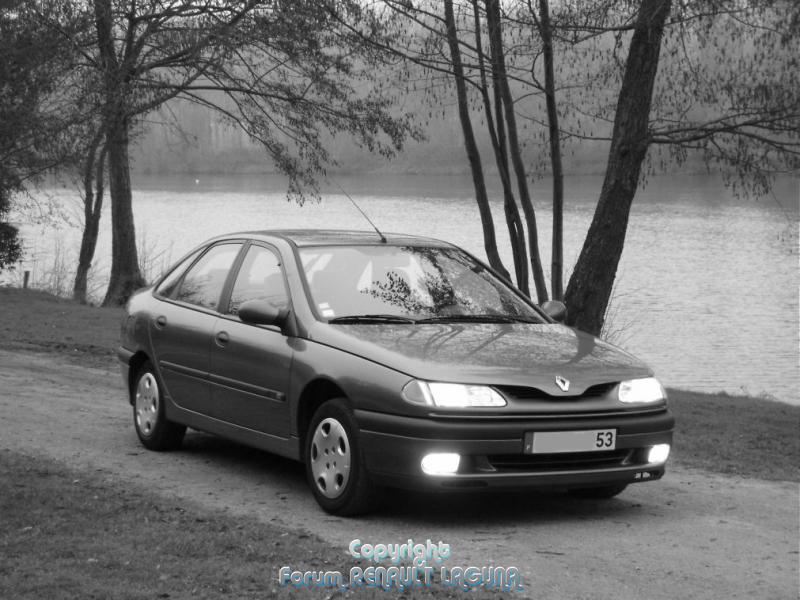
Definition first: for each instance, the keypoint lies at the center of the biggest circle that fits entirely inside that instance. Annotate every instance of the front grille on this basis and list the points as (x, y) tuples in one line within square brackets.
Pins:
[(529, 393), (572, 461)]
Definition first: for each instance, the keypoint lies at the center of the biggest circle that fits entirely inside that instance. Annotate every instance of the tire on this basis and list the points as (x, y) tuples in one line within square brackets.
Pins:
[(603, 492), (149, 419), (334, 464)]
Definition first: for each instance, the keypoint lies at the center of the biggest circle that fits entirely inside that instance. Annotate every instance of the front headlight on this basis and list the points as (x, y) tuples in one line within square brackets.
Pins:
[(451, 395), (641, 391)]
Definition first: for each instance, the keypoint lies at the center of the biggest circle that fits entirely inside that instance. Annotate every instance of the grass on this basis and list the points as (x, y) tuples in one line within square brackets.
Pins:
[(68, 534), (741, 435), (35, 320), (752, 437)]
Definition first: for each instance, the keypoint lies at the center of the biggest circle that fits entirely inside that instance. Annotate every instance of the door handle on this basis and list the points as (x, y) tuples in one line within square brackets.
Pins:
[(161, 321), (222, 339)]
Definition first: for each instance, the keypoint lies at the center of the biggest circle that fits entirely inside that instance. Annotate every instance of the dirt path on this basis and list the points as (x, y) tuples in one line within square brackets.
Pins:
[(692, 535)]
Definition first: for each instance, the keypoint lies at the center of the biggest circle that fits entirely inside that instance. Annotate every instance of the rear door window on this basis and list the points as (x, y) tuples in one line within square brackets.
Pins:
[(171, 281), (203, 283)]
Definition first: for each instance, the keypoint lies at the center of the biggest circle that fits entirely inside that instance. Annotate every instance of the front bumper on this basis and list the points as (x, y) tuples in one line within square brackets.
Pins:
[(492, 451)]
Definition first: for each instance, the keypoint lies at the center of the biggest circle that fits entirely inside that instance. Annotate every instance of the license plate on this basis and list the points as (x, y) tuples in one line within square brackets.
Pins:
[(554, 442)]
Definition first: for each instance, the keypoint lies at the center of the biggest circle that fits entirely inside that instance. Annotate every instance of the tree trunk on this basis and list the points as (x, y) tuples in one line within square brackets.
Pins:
[(474, 157), (497, 135), (125, 275), (589, 289), (493, 17), (557, 260), (94, 172)]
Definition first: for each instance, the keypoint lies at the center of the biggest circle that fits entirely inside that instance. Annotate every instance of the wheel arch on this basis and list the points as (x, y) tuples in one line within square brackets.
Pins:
[(134, 364), (314, 394)]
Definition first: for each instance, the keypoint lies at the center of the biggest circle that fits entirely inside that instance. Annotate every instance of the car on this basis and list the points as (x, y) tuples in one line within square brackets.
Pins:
[(386, 360)]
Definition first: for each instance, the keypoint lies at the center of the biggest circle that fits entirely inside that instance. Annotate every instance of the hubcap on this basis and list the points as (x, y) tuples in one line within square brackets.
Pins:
[(146, 404), (330, 457)]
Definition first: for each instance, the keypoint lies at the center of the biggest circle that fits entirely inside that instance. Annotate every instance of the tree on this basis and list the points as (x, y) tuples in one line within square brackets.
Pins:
[(34, 126), (564, 70), (93, 194), (473, 155), (495, 26), (496, 129), (10, 247), (590, 286), (544, 27), (19, 89), (417, 34), (282, 71), (690, 99), (89, 162)]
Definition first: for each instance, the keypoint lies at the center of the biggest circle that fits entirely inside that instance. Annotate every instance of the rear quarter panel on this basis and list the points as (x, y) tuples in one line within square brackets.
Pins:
[(134, 333)]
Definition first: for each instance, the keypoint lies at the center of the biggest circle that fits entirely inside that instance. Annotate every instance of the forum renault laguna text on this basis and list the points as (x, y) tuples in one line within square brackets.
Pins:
[(386, 360)]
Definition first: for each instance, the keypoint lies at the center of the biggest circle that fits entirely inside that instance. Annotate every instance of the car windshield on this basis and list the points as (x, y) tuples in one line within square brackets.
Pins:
[(384, 283)]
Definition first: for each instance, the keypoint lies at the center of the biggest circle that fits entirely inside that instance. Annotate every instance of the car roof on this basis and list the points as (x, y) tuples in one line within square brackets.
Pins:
[(341, 237)]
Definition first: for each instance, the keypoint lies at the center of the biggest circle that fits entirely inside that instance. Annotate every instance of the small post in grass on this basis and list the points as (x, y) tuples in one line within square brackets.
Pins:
[(25, 278)]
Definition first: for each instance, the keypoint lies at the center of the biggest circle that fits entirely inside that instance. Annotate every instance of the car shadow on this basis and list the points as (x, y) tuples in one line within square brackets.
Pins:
[(499, 507), (495, 507)]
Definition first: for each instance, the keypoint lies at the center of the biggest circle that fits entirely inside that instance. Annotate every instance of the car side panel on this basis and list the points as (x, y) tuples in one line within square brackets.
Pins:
[(180, 339), (249, 376)]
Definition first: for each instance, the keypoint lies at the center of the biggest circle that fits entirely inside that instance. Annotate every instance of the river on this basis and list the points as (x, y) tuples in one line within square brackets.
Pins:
[(706, 293)]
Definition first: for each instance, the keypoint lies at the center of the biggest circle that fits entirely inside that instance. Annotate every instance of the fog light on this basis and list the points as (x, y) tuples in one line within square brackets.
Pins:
[(440, 463), (658, 453)]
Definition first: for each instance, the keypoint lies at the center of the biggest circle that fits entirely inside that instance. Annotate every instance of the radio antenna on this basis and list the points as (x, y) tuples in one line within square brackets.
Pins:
[(378, 231)]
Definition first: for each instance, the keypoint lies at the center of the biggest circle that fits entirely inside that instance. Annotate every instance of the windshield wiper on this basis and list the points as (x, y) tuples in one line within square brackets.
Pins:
[(372, 319), (476, 319)]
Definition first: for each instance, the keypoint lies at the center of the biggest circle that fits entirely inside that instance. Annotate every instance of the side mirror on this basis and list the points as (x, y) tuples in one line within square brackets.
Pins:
[(261, 312), (556, 310)]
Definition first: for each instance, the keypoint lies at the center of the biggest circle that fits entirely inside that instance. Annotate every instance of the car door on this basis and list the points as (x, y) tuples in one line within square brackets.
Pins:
[(250, 364), (182, 326)]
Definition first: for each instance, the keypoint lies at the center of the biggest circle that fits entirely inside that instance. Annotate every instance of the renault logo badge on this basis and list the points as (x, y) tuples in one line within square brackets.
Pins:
[(562, 383)]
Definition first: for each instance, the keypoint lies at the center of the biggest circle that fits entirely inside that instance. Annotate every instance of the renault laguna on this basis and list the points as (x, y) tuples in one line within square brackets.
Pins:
[(386, 360)]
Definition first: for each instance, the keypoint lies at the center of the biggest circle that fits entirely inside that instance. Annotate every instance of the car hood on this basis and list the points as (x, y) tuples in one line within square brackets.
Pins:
[(494, 354)]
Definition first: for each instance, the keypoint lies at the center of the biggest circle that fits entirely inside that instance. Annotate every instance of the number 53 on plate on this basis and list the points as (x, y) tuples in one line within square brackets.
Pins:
[(553, 442)]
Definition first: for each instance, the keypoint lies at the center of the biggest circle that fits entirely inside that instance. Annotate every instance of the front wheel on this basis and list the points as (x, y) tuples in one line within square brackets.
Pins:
[(334, 465), (154, 430)]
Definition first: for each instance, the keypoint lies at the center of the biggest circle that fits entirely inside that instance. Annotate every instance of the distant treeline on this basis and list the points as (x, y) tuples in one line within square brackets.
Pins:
[(191, 139)]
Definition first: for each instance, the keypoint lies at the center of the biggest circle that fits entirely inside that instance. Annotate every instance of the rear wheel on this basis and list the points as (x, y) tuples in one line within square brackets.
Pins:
[(334, 465), (603, 492), (154, 430)]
